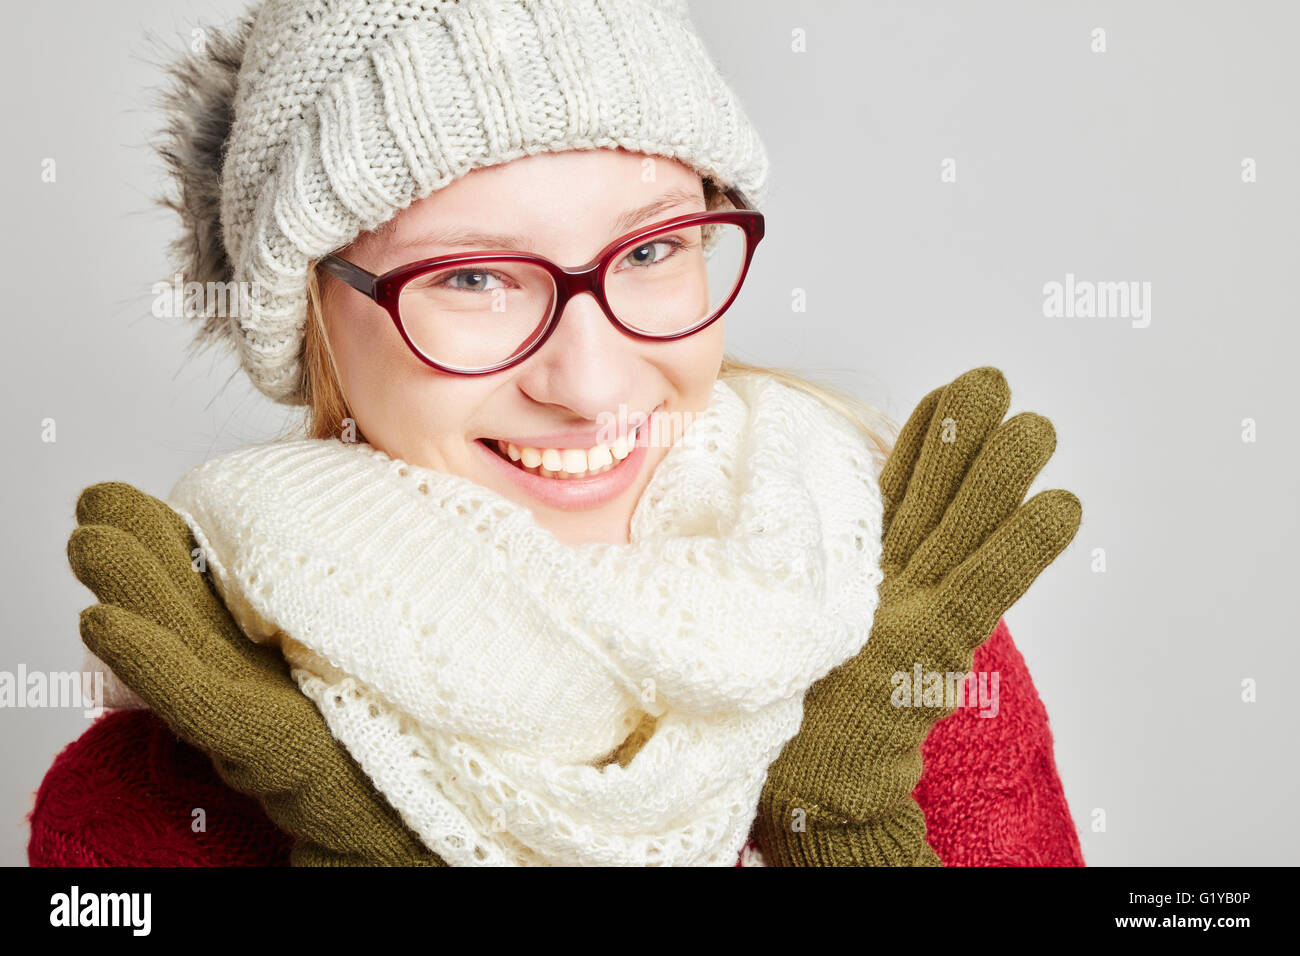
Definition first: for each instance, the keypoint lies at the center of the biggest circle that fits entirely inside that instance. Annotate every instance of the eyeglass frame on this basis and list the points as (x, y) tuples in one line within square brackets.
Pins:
[(386, 289)]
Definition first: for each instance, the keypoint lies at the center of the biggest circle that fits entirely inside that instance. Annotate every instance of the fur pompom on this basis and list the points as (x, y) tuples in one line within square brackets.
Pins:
[(199, 109)]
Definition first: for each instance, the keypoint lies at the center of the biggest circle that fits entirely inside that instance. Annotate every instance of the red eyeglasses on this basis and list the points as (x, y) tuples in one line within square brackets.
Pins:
[(481, 312)]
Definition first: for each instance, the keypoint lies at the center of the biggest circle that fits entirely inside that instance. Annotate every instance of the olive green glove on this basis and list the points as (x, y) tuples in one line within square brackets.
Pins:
[(164, 631), (959, 549)]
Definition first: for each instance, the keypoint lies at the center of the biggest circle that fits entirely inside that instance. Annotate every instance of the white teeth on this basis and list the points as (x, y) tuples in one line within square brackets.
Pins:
[(564, 463), (574, 460)]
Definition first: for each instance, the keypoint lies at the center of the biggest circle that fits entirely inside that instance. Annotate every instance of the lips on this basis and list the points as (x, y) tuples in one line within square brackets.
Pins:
[(564, 464), (569, 479)]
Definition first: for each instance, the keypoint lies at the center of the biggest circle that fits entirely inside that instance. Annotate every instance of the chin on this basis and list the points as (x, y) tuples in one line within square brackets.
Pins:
[(606, 528)]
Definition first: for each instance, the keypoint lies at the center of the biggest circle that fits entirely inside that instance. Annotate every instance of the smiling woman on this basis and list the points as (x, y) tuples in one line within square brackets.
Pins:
[(529, 636), (650, 338)]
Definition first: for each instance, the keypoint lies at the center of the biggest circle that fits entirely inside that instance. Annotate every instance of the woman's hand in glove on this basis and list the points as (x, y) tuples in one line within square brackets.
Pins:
[(959, 549), (163, 630)]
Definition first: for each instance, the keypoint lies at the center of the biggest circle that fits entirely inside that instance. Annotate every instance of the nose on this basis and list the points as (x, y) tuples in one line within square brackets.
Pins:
[(587, 366)]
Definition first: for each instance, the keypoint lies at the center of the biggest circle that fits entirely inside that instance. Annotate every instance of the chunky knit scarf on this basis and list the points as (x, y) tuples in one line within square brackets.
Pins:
[(521, 701)]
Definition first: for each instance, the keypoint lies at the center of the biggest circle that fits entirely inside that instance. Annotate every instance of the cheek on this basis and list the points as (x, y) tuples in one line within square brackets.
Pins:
[(402, 406), (366, 349), (692, 366), (382, 381)]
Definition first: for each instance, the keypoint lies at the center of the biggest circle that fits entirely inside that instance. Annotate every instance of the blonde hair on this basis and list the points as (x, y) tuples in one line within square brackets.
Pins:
[(327, 408)]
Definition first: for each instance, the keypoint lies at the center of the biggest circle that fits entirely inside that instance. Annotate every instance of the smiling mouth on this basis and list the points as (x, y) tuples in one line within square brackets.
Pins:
[(564, 463)]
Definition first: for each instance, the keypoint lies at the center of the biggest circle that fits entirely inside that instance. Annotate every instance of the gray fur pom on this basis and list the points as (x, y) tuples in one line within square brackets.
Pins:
[(199, 110)]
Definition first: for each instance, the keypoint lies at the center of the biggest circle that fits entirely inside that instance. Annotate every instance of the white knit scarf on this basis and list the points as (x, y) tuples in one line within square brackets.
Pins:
[(521, 701)]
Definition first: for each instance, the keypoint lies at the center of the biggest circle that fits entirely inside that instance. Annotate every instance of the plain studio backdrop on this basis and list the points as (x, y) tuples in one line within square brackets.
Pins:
[(935, 167)]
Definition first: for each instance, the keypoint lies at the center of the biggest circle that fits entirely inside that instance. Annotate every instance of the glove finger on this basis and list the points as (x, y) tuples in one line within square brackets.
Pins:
[(266, 740), (150, 521), (264, 722), (981, 589), (162, 532), (184, 690), (907, 449), (994, 487), (197, 699), (122, 572), (967, 412)]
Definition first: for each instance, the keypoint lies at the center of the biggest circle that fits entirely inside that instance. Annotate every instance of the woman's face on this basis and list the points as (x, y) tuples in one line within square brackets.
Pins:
[(579, 393)]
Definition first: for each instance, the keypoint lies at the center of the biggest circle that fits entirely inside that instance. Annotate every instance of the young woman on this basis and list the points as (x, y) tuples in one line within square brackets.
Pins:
[(556, 582)]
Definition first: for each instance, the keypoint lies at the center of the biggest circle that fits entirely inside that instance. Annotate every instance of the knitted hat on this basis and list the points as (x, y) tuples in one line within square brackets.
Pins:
[(312, 121)]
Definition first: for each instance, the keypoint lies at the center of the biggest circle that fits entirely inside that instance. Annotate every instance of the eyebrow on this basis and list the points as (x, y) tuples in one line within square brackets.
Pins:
[(496, 240), (634, 217)]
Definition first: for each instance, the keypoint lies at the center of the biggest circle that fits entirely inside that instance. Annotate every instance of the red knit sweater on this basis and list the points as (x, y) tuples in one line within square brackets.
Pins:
[(125, 792)]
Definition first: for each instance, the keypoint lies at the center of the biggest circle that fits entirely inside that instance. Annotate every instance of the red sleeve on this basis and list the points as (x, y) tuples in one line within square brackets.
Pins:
[(989, 788), (124, 794)]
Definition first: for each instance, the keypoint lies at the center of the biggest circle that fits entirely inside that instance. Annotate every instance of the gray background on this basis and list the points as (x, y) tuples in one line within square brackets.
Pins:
[(1116, 166)]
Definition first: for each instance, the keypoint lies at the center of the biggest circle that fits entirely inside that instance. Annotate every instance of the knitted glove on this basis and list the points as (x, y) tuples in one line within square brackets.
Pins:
[(959, 549), (164, 631)]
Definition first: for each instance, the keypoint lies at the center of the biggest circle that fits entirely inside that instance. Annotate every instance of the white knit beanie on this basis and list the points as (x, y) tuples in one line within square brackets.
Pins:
[(313, 121)]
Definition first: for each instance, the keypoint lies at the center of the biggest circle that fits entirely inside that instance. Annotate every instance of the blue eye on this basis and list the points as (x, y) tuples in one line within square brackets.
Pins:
[(478, 280), (646, 254)]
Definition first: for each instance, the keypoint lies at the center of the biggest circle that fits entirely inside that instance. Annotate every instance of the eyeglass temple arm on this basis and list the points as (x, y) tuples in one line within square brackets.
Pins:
[(355, 276), (738, 199)]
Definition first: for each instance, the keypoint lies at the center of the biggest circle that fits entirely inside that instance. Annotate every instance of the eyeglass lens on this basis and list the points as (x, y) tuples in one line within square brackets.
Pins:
[(478, 314)]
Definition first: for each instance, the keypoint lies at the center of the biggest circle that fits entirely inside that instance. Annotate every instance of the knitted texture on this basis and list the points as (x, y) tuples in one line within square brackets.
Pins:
[(126, 793), (106, 558), (167, 636), (487, 677), (312, 121), (990, 789), (959, 549), (122, 793)]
